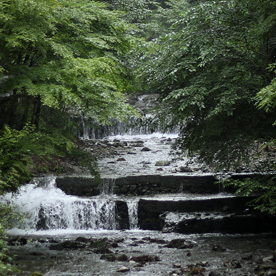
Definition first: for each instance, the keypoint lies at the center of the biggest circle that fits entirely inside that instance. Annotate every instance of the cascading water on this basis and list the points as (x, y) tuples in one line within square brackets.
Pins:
[(133, 213), (108, 185), (48, 208)]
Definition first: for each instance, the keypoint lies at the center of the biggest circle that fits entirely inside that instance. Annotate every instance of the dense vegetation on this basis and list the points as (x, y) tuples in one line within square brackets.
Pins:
[(212, 62), (214, 67), (59, 60)]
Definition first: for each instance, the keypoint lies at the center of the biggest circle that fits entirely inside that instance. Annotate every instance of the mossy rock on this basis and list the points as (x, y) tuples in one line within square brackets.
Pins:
[(36, 273), (162, 163)]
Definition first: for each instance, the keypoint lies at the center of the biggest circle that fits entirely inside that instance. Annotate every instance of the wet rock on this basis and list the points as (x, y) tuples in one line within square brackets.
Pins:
[(80, 186), (122, 258), (180, 244), (218, 248), (36, 273), (195, 270), (17, 241), (247, 257), (145, 259), (213, 273), (82, 239), (108, 257), (203, 264), (145, 149), (154, 240), (162, 163), (102, 250), (121, 159), (67, 245), (176, 265), (268, 269), (123, 269), (101, 246), (119, 240), (271, 273), (268, 259), (232, 264), (42, 222), (185, 169), (131, 152), (114, 245)]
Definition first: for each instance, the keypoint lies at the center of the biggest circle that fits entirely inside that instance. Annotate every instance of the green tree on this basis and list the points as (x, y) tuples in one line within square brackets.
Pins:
[(61, 54), (58, 60), (208, 69)]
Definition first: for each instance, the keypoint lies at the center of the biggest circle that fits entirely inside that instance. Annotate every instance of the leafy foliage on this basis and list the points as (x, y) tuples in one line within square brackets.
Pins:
[(8, 216), (63, 54), (208, 68), (58, 59), (22, 151), (262, 186), (6, 267)]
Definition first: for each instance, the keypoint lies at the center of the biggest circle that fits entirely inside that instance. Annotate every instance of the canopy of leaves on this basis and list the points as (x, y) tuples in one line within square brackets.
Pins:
[(59, 59), (208, 67), (67, 54)]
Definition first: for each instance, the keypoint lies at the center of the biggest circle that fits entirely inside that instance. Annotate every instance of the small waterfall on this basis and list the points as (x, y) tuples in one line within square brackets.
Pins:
[(48, 208), (133, 213), (108, 186)]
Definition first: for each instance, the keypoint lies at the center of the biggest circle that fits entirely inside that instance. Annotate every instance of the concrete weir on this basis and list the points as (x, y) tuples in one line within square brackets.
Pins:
[(140, 185), (183, 203)]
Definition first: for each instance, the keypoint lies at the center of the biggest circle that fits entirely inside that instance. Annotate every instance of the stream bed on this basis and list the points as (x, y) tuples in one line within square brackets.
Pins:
[(156, 253), (66, 234)]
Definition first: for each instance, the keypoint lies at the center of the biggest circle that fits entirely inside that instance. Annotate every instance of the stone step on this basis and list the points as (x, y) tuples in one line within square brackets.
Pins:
[(140, 185), (222, 215), (189, 223)]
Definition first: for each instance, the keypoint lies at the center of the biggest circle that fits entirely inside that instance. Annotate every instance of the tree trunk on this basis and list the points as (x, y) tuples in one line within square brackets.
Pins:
[(36, 112)]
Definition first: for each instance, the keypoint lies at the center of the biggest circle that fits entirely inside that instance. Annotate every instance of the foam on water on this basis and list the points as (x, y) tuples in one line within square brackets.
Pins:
[(49, 208)]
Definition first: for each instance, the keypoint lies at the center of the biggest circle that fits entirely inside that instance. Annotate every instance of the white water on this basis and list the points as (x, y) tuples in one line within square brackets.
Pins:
[(49, 208), (133, 213)]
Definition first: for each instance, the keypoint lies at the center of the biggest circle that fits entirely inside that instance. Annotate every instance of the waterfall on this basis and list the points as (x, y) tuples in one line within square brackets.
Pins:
[(48, 208), (108, 186), (133, 213)]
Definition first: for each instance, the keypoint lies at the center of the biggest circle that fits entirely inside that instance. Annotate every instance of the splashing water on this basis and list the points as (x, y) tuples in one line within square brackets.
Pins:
[(49, 208)]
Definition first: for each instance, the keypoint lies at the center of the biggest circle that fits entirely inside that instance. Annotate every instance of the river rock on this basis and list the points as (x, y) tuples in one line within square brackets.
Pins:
[(108, 257), (185, 169), (102, 250), (121, 159), (180, 244), (145, 149), (82, 239), (214, 273), (122, 258), (162, 163), (17, 241), (67, 245), (232, 264), (195, 270), (218, 248), (145, 259), (123, 269)]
